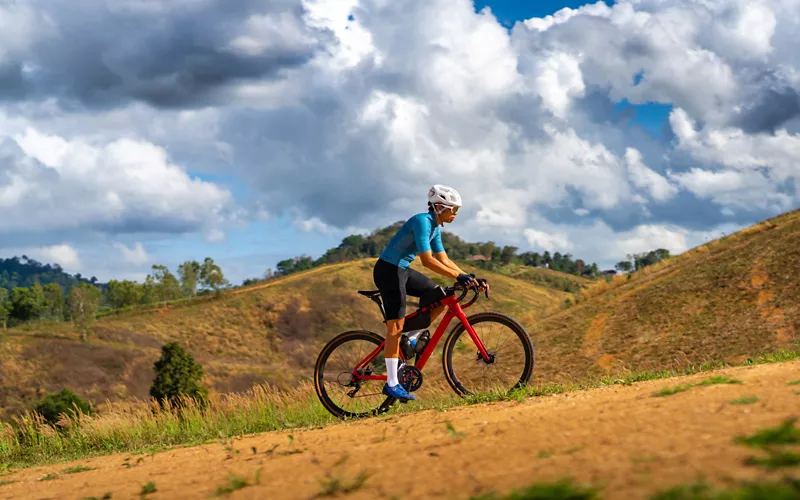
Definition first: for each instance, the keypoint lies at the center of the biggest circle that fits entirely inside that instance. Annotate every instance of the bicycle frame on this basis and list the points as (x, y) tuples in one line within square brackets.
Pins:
[(454, 310)]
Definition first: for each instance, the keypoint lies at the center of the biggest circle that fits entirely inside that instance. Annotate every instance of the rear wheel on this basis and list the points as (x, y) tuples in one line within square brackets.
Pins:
[(333, 380), (508, 344)]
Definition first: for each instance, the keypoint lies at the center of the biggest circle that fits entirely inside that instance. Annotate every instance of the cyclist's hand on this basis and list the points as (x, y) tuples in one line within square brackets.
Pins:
[(466, 280), (482, 284)]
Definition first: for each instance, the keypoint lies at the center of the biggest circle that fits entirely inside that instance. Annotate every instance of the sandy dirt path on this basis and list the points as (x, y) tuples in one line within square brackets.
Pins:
[(621, 437)]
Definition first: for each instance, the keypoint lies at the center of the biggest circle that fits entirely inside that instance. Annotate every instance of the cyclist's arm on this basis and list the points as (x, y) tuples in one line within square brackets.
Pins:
[(435, 265), (444, 259), (422, 229)]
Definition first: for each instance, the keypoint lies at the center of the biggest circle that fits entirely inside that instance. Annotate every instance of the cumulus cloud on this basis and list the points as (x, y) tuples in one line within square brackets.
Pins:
[(135, 255), (63, 255), (48, 182), (544, 241), (173, 53)]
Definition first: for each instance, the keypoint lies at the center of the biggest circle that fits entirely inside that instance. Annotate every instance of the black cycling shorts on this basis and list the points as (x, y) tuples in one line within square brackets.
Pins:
[(395, 283)]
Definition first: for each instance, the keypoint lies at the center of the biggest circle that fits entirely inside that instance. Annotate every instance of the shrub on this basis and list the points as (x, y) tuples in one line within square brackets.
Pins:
[(58, 403), (177, 375)]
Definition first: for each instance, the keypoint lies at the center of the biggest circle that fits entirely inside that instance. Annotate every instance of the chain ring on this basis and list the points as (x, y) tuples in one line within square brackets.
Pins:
[(410, 378)]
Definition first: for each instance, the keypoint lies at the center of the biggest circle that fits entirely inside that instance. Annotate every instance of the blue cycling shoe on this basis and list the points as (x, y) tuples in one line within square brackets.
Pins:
[(398, 392)]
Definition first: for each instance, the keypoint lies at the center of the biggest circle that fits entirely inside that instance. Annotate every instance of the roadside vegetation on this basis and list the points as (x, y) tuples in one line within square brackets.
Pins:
[(150, 427)]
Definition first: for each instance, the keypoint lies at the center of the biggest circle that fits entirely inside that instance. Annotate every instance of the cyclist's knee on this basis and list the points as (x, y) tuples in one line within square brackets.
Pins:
[(394, 326)]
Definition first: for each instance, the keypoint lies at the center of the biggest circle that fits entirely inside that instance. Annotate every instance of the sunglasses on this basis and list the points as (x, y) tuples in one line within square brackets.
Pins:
[(452, 209)]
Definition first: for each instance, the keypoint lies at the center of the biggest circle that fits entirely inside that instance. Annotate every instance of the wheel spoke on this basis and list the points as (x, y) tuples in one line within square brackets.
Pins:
[(336, 370), (472, 375)]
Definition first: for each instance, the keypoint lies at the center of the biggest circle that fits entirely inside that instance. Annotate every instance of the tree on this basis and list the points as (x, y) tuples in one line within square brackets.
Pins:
[(54, 302), (84, 301), (623, 266), (507, 254), (149, 291), (5, 307), (28, 304), (124, 293), (167, 285), (211, 275), (189, 273), (177, 374), (59, 403)]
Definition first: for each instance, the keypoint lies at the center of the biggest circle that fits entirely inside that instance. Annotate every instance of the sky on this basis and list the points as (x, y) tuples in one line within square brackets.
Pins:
[(142, 132)]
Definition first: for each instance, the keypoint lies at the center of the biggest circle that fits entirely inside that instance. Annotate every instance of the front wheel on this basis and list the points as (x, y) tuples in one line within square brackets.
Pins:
[(508, 344), (341, 395)]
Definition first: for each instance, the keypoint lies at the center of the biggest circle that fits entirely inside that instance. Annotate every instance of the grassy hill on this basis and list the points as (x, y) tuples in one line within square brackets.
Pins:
[(268, 333), (727, 300), (724, 301)]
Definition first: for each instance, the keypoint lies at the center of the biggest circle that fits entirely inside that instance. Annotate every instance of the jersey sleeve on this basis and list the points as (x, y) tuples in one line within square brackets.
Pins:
[(421, 227), (436, 244)]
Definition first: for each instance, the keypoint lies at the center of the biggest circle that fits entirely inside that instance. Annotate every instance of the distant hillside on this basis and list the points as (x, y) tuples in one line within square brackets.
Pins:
[(486, 255), (24, 272), (268, 333), (724, 301)]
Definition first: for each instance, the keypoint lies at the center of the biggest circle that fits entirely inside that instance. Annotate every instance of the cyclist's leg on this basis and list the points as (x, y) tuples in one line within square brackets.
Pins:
[(391, 281), (418, 285)]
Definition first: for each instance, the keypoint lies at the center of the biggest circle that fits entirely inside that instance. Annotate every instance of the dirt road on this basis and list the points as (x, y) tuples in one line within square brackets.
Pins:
[(621, 437)]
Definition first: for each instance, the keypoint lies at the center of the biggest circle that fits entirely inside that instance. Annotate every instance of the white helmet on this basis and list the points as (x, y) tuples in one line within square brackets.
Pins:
[(444, 195)]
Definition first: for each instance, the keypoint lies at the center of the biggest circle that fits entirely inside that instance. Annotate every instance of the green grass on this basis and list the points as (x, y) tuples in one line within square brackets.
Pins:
[(669, 391), (49, 477), (76, 469), (785, 433), (745, 400), (786, 489), (794, 382), (3, 483), (148, 488), (776, 459), (715, 380), (30, 442), (236, 483), (335, 483), (106, 496), (719, 379), (564, 489)]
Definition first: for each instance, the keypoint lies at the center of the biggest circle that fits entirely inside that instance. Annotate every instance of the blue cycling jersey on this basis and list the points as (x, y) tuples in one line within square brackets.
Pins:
[(419, 234)]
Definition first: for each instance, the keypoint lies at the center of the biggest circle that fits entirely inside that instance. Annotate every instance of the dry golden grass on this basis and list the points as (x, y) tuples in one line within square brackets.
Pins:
[(727, 300)]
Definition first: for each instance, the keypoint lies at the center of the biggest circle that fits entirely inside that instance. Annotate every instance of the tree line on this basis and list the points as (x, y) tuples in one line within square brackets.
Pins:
[(81, 301), (637, 261), (359, 246)]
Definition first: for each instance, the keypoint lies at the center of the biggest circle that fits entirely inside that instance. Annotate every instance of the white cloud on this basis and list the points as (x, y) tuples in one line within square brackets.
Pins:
[(644, 178), (135, 255), (63, 255), (650, 237), (314, 224), (741, 169), (55, 183), (545, 241)]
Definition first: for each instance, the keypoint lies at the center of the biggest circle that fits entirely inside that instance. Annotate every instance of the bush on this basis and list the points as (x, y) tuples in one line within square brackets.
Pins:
[(58, 403), (177, 375)]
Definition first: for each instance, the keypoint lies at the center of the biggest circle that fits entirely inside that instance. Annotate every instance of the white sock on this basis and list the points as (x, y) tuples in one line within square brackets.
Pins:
[(391, 371), (413, 334)]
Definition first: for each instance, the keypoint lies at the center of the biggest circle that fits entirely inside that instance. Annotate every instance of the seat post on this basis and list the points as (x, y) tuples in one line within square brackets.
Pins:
[(377, 300)]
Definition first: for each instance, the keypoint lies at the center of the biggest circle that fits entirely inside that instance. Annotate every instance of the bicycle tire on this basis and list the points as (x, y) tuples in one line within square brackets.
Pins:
[(320, 383), (476, 319)]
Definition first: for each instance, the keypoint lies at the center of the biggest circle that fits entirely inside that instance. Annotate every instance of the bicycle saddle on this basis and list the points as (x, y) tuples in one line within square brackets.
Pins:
[(370, 293)]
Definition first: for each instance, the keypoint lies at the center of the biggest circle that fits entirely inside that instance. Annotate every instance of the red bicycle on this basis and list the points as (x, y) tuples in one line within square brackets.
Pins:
[(495, 354)]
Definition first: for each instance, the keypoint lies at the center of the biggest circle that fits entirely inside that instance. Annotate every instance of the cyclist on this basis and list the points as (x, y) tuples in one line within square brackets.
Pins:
[(420, 236)]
